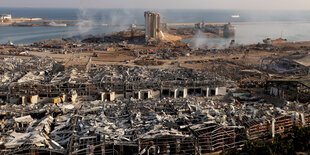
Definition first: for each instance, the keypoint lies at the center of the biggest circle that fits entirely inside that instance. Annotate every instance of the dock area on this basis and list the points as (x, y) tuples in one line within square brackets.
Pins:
[(44, 22)]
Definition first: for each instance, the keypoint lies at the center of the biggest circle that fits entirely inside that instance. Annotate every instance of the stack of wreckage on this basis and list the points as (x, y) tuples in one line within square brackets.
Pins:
[(125, 82), (131, 110), (167, 126)]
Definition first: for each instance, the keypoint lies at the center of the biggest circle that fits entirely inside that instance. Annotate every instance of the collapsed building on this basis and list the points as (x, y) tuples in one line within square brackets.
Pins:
[(181, 126), (118, 81), (285, 66), (131, 110), (291, 89), (226, 30), (118, 109), (296, 64)]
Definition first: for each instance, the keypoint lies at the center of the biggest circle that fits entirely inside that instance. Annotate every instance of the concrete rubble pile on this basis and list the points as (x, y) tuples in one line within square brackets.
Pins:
[(134, 74), (45, 74), (132, 121), (35, 132), (71, 76), (18, 70)]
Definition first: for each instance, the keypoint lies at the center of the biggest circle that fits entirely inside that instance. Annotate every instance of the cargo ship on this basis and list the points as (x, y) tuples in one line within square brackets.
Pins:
[(235, 16)]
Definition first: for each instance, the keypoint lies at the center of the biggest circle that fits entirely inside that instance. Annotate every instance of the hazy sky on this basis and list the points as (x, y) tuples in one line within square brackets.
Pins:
[(163, 4)]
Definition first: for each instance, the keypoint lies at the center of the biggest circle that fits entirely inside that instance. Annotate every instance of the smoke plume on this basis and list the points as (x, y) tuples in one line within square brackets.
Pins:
[(199, 40)]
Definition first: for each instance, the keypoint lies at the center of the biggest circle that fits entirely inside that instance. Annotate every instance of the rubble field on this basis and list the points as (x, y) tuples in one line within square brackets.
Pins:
[(115, 94)]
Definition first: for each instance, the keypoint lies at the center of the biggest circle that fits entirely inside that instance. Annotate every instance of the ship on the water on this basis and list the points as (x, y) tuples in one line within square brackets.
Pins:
[(235, 16), (23, 24), (57, 24), (276, 41)]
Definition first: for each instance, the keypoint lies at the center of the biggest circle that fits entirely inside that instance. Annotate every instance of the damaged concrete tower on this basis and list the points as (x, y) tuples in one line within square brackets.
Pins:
[(152, 27)]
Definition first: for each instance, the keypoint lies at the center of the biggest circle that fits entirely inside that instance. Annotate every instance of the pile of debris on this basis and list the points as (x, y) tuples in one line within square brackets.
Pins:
[(36, 69), (147, 124)]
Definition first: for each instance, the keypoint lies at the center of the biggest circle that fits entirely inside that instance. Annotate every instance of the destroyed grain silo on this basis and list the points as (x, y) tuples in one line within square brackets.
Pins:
[(152, 27)]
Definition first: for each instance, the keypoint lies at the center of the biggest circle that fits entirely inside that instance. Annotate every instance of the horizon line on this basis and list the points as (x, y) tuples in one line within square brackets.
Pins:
[(15, 7)]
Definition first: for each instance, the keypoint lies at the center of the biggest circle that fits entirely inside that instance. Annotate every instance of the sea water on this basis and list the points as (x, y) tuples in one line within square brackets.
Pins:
[(292, 24)]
